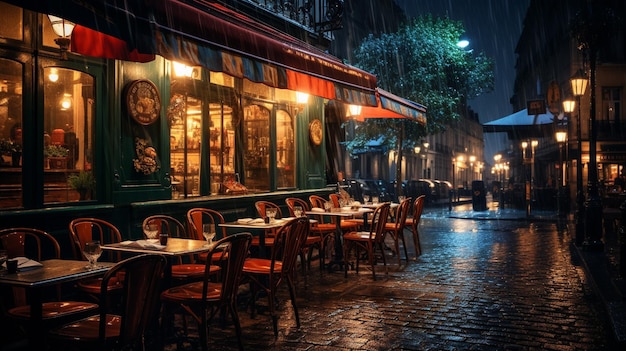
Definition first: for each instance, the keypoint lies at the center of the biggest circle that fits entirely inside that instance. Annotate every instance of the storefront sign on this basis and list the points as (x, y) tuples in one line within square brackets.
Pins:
[(143, 101)]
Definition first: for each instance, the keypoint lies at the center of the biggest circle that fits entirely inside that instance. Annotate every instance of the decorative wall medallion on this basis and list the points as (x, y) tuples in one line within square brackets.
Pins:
[(316, 132), (144, 102)]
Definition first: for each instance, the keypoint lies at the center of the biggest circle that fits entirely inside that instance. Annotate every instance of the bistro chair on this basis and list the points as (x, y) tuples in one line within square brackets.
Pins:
[(198, 216), (413, 223), (395, 229), (202, 300), (346, 225), (314, 240), (124, 329), (83, 230), (368, 241), (184, 270), (261, 208), (269, 274), (38, 245)]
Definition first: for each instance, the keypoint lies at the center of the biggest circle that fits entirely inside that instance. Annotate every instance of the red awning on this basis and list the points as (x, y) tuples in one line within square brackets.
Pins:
[(208, 34), (393, 106), (308, 69)]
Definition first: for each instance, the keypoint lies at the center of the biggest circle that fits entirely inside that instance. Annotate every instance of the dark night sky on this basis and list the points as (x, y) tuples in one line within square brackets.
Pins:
[(492, 27)]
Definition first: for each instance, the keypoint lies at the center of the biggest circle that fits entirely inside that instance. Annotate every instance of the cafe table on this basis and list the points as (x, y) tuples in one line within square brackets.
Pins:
[(340, 213), (175, 247), (51, 273), (258, 225)]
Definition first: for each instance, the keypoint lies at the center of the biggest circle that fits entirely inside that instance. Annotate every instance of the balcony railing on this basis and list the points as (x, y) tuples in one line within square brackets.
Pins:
[(318, 16)]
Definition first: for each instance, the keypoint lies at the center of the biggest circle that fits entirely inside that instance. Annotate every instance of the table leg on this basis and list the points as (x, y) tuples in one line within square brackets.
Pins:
[(35, 332)]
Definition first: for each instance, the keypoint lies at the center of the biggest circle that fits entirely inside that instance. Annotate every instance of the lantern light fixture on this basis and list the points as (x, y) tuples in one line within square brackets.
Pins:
[(63, 28)]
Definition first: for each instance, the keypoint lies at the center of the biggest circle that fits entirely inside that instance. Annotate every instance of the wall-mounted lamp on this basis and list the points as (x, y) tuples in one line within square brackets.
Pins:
[(182, 70), (302, 98), (53, 76), (354, 110), (63, 28)]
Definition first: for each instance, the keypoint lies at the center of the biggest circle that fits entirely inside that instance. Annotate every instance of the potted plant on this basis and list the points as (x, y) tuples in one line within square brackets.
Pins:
[(13, 149), (83, 182), (56, 155)]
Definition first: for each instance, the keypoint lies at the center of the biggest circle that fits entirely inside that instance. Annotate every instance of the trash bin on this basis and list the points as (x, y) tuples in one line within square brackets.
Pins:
[(479, 197)]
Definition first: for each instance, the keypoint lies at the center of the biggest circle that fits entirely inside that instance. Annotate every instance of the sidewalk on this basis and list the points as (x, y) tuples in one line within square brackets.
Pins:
[(602, 268)]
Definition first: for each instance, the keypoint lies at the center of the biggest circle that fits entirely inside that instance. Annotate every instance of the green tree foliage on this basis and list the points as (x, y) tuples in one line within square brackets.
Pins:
[(422, 62)]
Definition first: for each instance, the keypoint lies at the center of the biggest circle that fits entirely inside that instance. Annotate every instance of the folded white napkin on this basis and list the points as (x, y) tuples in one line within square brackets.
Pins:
[(317, 209), (151, 244), (346, 208), (257, 221), (244, 220)]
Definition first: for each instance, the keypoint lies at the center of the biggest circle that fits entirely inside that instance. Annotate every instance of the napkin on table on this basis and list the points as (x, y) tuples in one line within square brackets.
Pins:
[(144, 244), (317, 209), (25, 263)]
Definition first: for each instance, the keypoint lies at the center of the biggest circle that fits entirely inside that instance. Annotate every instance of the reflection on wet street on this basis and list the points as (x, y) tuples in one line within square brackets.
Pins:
[(479, 284)]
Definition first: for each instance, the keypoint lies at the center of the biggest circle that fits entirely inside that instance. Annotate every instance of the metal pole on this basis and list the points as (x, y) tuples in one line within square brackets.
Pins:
[(580, 197), (593, 212)]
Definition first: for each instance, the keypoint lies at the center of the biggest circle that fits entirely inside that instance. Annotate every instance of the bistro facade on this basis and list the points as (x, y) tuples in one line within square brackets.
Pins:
[(158, 109)]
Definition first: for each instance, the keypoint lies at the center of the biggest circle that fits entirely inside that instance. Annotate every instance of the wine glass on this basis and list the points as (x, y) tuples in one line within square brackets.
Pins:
[(271, 214), (297, 211), (92, 252), (4, 256), (208, 231), (151, 230)]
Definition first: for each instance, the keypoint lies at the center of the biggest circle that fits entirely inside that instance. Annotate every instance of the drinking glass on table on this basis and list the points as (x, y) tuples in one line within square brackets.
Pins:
[(4, 256), (92, 252), (208, 231), (271, 214), (374, 200), (151, 230), (297, 211)]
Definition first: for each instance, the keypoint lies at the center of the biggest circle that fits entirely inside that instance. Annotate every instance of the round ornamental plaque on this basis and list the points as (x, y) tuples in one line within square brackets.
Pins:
[(144, 102), (316, 132)]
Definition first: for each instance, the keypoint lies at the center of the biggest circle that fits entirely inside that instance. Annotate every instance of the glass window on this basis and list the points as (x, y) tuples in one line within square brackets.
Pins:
[(11, 24), (68, 135), (10, 134), (221, 144), (185, 142), (256, 147), (285, 150)]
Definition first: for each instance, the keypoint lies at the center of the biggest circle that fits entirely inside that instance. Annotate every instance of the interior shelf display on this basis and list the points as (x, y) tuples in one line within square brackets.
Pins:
[(221, 146), (257, 147), (185, 145)]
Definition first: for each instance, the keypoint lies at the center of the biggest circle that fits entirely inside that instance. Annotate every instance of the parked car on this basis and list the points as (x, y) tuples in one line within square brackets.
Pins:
[(443, 188), (363, 189), (415, 188)]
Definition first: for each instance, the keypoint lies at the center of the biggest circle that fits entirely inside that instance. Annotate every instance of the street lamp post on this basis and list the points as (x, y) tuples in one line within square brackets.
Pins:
[(589, 26), (579, 85), (561, 136), (533, 146), (569, 105)]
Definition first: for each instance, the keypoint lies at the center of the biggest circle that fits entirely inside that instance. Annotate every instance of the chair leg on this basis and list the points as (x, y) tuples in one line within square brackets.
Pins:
[(233, 312), (406, 254), (416, 241), (292, 294)]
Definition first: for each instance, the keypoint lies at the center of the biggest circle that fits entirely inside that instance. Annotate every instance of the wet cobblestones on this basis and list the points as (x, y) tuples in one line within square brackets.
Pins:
[(479, 285)]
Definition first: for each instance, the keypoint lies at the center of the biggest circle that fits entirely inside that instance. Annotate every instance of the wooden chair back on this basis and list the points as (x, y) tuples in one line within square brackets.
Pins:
[(294, 201), (83, 230), (198, 216), (262, 206), (170, 225)]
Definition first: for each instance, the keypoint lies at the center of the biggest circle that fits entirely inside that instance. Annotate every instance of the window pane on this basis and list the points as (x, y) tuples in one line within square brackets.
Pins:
[(256, 140), (185, 142), (68, 137), (10, 134), (11, 24), (222, 144), (285, 150)]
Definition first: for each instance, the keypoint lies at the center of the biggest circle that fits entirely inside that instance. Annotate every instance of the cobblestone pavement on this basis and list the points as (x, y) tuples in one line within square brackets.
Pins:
[(478, 285)]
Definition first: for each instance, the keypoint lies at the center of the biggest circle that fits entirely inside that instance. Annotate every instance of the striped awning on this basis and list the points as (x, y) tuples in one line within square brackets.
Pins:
[(210, 35)]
